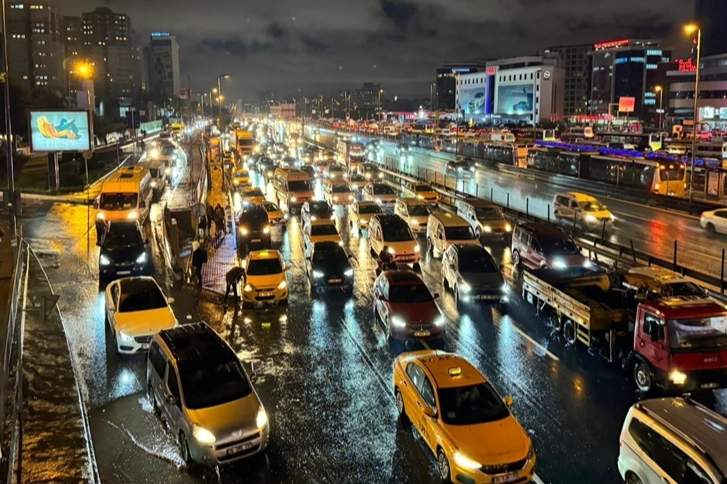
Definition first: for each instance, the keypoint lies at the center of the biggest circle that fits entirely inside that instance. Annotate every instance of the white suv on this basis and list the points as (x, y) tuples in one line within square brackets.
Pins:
[(673, 440)]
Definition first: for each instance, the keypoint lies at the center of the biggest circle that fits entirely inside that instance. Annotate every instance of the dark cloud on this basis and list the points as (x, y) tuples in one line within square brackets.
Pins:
[(318, 46)]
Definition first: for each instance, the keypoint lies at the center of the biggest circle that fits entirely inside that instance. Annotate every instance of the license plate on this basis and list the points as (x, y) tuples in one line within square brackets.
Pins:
[(709, 385), (256, 240), (123, 273), (420, 334), (266, 294), (407, 258), (241, 448), (334, 281), (509, 477), (485, 297)]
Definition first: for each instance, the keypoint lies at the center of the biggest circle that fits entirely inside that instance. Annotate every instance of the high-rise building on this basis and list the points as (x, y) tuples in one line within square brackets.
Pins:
[(107, 45), (625, 69), (35, 45), (164, 77), (72, 28), (711, 16), (446, 83), (576, 64), (366, 98)]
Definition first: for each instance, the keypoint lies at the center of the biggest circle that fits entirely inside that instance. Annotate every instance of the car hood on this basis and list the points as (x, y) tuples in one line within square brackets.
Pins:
[(415, 313), (119, 255), (390, 197), (269, 280), (224, 421), (492, 443), (138, 323), (495, 224), (483, 280), (421, 220), (599, 214), (332, 267), (405, 247)]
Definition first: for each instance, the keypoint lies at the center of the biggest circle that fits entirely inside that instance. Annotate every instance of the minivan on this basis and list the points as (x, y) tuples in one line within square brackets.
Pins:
[(196, 383), (542, 245), (393, 232), (486, 218), (445, 229)]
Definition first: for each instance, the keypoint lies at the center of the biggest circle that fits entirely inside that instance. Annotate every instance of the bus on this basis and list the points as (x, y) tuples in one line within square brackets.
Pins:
[(536, 134), (578, 133), (177, 130), (636, 141), (655, 176), (710, 150)]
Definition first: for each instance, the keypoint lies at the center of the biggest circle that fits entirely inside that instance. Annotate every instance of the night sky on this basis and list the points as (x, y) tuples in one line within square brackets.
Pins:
[(319, 46)]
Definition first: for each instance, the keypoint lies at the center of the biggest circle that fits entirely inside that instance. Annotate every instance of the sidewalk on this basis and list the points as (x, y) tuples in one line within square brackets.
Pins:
[(56, 442)]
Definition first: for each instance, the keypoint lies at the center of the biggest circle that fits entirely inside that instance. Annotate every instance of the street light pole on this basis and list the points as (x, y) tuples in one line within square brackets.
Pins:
[(692, 28), (661, 104), (219, 94), (8, 124)]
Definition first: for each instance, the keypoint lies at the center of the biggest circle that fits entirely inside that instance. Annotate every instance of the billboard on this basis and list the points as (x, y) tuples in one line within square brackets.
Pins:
[(473, 101), (515, 99), (53, 131), (626, 104)]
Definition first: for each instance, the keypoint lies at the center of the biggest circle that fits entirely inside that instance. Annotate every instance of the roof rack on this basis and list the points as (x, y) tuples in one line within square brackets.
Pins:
[(670, 426)]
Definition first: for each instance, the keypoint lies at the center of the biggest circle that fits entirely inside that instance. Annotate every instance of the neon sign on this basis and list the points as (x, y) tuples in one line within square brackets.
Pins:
[(686, 65), (160, 34), (491, 71), (611, 45)]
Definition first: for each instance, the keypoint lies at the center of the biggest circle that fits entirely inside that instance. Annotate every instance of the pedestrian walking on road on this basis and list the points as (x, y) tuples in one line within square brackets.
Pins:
[(233, 278), (204, 226), (220, 219), (199, 259)]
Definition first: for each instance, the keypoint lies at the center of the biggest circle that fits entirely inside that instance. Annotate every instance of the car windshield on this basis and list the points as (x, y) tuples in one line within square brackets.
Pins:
[(154, 172), (208, 384), (270, 207), (397, 233), (358, 178), (255, 192), (488, 213), (381, 189), (369, 209), (471, 405), (459, 233), (370, 168), (418, 210), (413, 293), (559, 247), (591, 206), (299, 186), (334, 168), (168, 150), (323, 230), (241, 174), (151, 298), (332, 253), (476, 263), (319, 207), (704, 333), (340, 189), (264, 267), (423, 188), (118, 201), (118, 237)]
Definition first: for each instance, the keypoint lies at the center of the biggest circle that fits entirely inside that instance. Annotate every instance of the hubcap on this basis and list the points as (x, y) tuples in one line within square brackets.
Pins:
[(641, 378), (399, 402), (443, 466)]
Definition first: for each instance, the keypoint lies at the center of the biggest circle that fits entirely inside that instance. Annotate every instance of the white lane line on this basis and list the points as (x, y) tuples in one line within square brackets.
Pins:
[(537, 479), (525, 335)]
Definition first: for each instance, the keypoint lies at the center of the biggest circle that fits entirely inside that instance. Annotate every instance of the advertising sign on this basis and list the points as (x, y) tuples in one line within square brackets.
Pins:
[(516, 99), (53, 131), (473, 101), (626, 104)]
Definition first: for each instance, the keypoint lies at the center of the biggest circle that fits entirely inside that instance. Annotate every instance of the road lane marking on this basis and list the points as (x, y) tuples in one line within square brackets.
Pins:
[(527, 337)]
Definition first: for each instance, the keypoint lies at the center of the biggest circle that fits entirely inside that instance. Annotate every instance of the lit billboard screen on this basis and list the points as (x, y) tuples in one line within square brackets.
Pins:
[(53, 131), (473, 101), (516, 99)]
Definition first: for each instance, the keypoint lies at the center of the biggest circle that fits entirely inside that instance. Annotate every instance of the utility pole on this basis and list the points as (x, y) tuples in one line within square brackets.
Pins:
[(8, 125)]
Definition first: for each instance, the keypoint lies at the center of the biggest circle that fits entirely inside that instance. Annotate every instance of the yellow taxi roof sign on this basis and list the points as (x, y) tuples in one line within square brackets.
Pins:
[(455, 371)]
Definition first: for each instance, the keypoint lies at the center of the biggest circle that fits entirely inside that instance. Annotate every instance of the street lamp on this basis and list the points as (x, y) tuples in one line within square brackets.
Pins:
[(690, 29), (219, 91), (661, 102), (8, 124)]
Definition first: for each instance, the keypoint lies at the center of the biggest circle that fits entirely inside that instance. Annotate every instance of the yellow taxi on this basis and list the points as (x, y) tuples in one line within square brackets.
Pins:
[(241, 178), (463, 420), (252, 196), (275, 215), (320, 231), (265, 277)]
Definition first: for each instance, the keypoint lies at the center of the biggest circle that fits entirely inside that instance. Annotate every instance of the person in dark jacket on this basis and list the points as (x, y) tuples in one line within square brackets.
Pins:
[(220, 219), (199, 259), (233, 278), (204, 226)]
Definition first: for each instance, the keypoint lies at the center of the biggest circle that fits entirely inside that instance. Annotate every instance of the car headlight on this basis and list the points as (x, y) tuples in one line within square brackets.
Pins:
[(508, 228), (141, 259), (293, 199), (487, 228), (317, 274), (266, 230), (379, 201), (203, 435), (335, 198), (368, 176), (677, 377), (154, 184), (588, 263), (101, 216), (591, 218), (282, 285), (133, 215), (103, 260), (505, 288), (248, 288), (417, 248), (439, 321), (236, 182), (313, 218), (391, 251), (531, 453), (348, 273), (350, 197), (154, 153), (168, 170), (465, 462), (244, 231), (559, 264), (262, 418), (125, 338), (397, 321), (381, 175)]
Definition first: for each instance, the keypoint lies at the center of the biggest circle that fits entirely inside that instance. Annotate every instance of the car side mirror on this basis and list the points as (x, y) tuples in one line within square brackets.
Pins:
[(98, 243), (382, 298), (170, 399), (142, 204), (429, 411), (95, 204), (508, 401), (435, 295), (170, 300)]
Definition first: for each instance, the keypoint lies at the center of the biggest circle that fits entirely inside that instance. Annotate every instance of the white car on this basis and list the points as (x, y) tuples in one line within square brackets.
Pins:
[(380, 193), (136, 309), (360, 213), (714, 221), (320, 231)]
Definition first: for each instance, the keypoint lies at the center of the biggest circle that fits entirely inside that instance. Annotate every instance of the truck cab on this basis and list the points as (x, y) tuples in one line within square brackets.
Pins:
[(680, 345)]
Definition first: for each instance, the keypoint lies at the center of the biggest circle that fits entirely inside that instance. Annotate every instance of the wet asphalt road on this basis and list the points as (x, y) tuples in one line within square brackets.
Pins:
[(652, 231), (324, 371)]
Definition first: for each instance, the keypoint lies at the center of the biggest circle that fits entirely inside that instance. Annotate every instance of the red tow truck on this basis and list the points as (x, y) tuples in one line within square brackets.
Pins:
[(677, 343)]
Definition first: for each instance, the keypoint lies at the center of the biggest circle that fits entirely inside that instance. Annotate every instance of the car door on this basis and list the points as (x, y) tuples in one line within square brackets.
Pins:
[(113, 305), (427, 425), (309, 260), (172, 407), (439, 237), (381, 296), (654, 346), (720, 221), (376, 236), (410, 391), (447, 259), (157, 372)]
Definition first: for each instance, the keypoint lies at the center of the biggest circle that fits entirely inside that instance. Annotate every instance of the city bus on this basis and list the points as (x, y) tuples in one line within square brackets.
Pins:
[(536, 134), (578, 133), (639, 141)]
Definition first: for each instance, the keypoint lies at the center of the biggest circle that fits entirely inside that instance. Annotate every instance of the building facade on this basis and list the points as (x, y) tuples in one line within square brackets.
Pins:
[(35, 46), (445, 86), (107, 45), (474, 96), (625, 69), (576, 64), (711, 16), (164, 76), (527, 89)]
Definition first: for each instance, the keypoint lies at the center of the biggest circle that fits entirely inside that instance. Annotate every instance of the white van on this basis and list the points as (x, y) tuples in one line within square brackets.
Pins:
[(445, 229), (125, 195), (292, 188)]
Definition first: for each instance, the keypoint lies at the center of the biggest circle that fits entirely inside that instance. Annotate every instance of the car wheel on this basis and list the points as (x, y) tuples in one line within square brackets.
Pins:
[(399, 399), (642, 377), (516, 259), (152, 398), (711, 228), (184, 449), (478, 233), (569, 332), (443, 466), (632, 478)]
